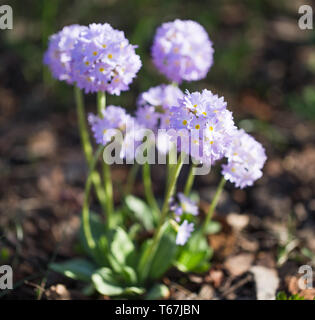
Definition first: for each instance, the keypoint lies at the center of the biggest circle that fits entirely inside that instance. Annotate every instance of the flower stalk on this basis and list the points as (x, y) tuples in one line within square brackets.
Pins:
[(190, 180), (85, 209), (148, 189), (87, 147), (146, 260), (213, 205), (101, 106)]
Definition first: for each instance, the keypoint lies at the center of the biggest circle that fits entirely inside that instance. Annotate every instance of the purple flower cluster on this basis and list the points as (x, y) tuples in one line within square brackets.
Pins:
[(113, 120), (103, 60), (246, 158), (154, 106), (187, 206), (184, 232), (58, 55), (97, 58), (204, 125), (113, 117), (182, 50)]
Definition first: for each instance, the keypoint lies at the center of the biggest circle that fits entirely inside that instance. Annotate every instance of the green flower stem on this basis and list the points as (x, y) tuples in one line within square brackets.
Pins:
[(146, 259), (190, 180), (101, 105), (85, 210), (148, 190), (87, 147), (213, 204), (132, 174), (101, 102)]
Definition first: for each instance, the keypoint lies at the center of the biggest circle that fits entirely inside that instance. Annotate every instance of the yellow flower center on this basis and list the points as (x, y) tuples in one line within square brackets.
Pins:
[(204, 113), (87, 63), (211, 142), (197, 126), (104, 46), (95, 53), (211, 128), (233, 169), (184, 122), (102, 69), (195, 105), (110, 56)]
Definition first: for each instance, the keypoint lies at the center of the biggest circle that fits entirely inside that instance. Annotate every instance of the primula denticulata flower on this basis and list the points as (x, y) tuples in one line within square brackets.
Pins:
[(182, 50), (58, 56), (203, 127), (114, 120), (103, 60), (154, 105), (154, 111), (246, 158), (184, 232), (187, 205)]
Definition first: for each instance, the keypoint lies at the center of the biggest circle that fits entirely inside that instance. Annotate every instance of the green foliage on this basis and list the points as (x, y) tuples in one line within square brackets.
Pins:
[(141, 211), (158, 291), (195, 255), (283, 296), (164, 256), (78, 269), (106, 283)]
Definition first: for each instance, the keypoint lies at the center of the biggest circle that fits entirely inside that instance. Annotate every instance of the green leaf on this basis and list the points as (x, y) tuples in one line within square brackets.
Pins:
[(129, 275), (195, 255), (141, 211), (106, 283), (134, 291), (158, 291), (78, 269), (97, 229), (192, 261), (164, 256), (121, 246), (133, 230)]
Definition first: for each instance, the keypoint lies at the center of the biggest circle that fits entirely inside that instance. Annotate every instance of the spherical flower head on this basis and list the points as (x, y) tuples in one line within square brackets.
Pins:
[(207, 126), (184, 232), (148, 117), (154, 105), (246, 158), (58, 55), (103, 60), (182, 50), (113, 117), (105, 128), (187, 205), (161, 97)]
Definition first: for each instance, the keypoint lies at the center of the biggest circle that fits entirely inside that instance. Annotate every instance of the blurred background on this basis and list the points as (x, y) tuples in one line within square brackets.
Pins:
[(264, 65)]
